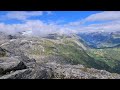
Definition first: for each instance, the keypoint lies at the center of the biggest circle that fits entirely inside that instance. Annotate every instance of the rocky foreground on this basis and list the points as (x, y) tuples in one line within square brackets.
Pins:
[(25, 68)]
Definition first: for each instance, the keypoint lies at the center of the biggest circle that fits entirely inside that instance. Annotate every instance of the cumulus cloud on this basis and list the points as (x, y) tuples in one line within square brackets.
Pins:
[(103, 16), (38, 27), (112, 24), (106, 27)]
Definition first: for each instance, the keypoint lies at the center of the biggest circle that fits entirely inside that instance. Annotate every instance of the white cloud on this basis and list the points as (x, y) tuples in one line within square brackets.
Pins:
[(113, 24), (24, 15), (103, 16), (106, 27), (49, 12), (37, 27), (21, 15), (76, 23)]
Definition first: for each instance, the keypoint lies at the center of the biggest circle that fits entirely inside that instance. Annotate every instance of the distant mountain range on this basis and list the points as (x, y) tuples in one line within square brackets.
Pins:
[(101, 39)]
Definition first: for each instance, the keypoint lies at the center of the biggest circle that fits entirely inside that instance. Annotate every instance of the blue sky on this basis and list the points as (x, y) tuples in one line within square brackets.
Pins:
[(67, 16), (44, 22), (61, 16)]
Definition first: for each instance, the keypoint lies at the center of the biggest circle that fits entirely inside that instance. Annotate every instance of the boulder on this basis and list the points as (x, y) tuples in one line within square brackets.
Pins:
[(8, 64), (12, 37), (27, 61), (56, 71), (19, 74), (30, 73)]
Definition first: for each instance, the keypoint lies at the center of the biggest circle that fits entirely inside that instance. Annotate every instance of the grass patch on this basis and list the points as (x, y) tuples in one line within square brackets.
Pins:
[(2, 52), (109, 56)]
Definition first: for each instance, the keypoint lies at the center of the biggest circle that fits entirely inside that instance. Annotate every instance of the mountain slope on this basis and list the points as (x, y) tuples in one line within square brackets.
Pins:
[(101, 39), (67, 50), (61, 49), (110, 56)]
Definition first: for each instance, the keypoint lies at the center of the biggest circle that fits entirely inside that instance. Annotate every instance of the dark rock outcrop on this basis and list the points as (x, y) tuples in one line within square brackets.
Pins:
[(19, 74), (27, 61), (2, 52), (57, 71), (12, 37), (8, 64)]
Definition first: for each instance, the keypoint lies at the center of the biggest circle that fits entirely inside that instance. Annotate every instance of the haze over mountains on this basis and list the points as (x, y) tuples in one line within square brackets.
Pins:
[(102, 39)]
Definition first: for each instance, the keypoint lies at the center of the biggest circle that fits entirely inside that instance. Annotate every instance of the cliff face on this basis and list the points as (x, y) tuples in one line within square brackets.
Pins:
[(46, 58)]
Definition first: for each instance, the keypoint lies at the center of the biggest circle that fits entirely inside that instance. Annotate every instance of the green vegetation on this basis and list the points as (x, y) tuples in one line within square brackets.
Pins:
[(2, 52), (110, 56), (67, 49), (72, 51)]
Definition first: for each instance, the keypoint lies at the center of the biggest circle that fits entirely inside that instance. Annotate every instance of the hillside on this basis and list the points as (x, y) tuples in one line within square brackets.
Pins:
[(36, 47), (65, 50), (31, 54), (101, 39), (104, 47), (110, 56)]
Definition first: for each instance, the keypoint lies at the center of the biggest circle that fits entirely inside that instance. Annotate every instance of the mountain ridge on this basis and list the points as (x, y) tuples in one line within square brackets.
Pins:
[(60, 49), (101, 39)]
